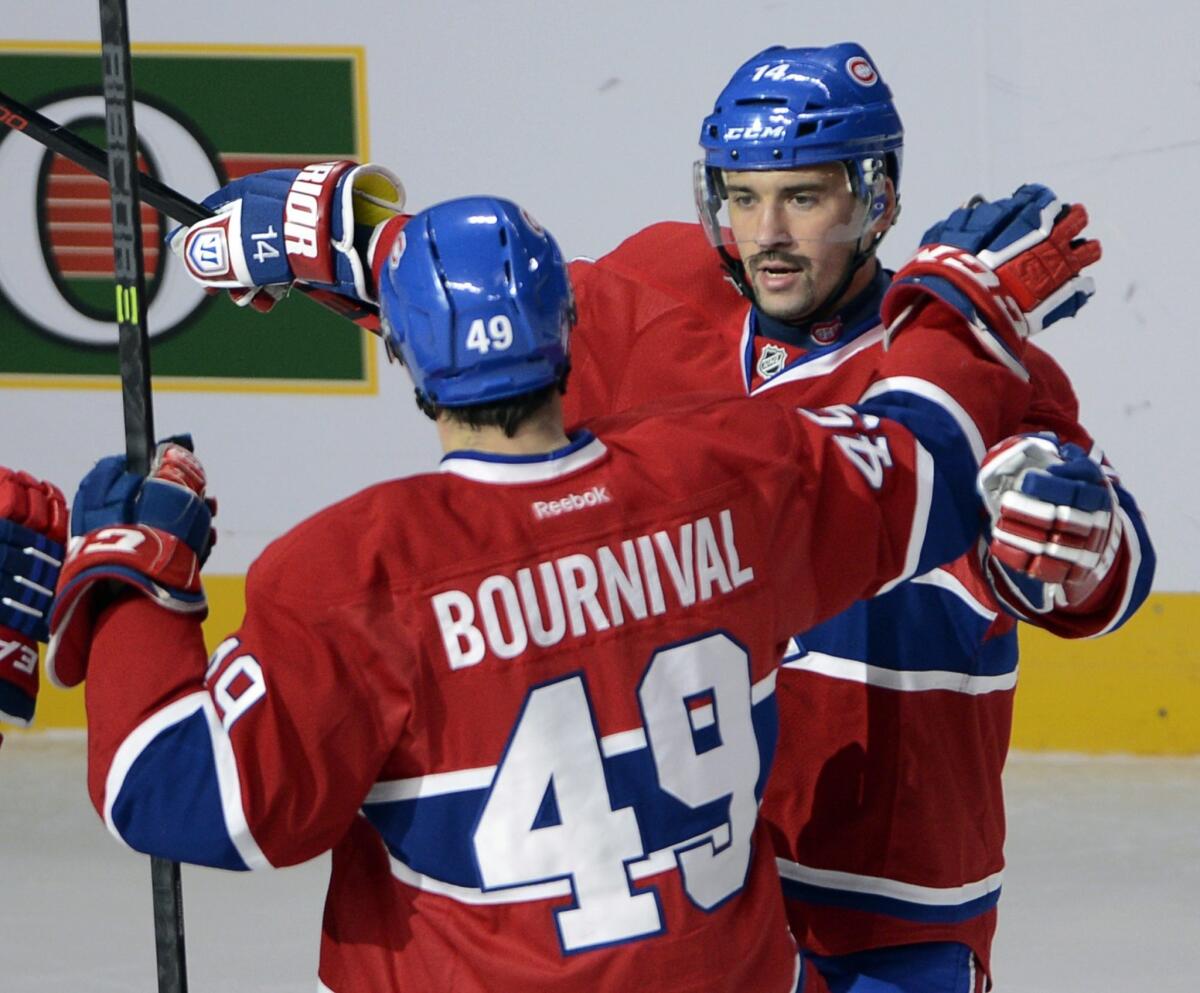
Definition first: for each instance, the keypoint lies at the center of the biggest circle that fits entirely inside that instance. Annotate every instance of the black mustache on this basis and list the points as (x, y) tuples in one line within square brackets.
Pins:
[(765, 258)]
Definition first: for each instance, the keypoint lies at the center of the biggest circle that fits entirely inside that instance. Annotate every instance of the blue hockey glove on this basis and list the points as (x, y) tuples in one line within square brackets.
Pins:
[(1053, 513), (151, 534), (1010, 267), (33, 529), (272, 228)]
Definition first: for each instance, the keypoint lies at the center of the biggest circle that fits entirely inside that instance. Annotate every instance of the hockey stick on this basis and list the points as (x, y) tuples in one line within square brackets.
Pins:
[(18, 117), (133, 349)]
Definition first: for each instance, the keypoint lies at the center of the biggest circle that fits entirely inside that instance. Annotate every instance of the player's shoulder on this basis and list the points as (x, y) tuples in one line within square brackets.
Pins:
[(672, 256), (1053, 394), (710, 429), (336, 552)]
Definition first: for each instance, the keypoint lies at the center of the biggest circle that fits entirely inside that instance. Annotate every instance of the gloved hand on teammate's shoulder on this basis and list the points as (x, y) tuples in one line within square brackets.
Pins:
[(150, 534), (1011, 267), (33, 530), (317, 225), (1054, 514)]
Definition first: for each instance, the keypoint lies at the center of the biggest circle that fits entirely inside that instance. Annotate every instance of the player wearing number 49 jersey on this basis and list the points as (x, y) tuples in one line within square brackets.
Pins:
[(527, 701)]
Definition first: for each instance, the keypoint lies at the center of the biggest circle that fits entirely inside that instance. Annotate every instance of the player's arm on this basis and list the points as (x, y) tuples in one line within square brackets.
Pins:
[(879, 493), (258, 756), (954, 381), (960, 313), (33, 531)]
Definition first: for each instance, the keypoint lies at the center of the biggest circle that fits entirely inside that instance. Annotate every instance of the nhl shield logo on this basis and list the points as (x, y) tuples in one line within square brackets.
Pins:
[(771, 361)]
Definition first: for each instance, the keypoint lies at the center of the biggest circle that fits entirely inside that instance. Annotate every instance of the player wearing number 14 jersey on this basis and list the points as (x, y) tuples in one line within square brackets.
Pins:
[(527, 701)]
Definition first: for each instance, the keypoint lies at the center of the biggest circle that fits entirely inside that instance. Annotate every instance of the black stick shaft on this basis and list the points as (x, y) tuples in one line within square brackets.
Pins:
[(82, 152), (133, 347), (18, 117)]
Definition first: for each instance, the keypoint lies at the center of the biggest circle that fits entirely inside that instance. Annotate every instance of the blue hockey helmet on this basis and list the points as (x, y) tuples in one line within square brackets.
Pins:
[(786, 108), (475, 300)]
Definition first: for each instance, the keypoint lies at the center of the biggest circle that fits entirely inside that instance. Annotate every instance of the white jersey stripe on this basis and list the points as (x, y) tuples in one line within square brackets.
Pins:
[(935, 394), (484, 470), (136, 742), (825, 364), (664, 860), (230, 785), (480, 778), (929, 896), (920, 520), (902, 680), (951, 584)]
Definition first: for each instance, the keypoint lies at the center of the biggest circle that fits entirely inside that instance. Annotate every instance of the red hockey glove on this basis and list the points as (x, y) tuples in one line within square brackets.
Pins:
[(33, 530), (1010, 267), (1053, 512), (272, 228), (150, 534)]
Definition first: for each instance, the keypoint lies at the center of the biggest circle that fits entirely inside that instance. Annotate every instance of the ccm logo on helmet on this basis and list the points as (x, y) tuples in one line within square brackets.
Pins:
[(861, 71), (755, 131), (571, 502)]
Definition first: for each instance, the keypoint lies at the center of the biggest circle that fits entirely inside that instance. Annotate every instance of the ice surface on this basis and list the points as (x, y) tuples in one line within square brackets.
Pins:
[(1102, 889)]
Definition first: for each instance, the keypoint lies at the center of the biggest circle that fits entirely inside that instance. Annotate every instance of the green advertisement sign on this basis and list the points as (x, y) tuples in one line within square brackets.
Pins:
[(205, 115)]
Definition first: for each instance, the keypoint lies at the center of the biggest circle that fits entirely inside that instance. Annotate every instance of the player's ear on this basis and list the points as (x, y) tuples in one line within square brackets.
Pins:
[(891, 210)]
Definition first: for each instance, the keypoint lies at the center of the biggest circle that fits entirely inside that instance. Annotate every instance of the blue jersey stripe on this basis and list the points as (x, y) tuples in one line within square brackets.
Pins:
[(916, 627), (169, 803), (892, 907), (433, 834)]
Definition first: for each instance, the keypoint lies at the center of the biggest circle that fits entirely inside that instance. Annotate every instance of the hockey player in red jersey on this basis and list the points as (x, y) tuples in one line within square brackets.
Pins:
[(886, 803), (890, 842), (528, 701), (33, 530)]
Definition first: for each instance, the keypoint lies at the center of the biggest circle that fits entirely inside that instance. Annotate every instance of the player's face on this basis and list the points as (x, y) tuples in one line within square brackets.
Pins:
[(796, 230)]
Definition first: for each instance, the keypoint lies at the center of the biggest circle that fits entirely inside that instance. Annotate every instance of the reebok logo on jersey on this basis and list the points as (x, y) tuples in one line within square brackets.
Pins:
[(571, 502)]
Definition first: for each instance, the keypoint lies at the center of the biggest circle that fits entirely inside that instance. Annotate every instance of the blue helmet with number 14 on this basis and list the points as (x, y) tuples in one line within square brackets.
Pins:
[(787, 108), (476, 302)]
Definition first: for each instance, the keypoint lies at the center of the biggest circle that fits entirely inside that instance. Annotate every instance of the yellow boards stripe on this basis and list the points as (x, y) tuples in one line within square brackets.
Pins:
[(1135, 691)]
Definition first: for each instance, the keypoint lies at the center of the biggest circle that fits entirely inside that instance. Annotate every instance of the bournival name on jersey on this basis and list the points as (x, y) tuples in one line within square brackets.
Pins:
[(643, 576)]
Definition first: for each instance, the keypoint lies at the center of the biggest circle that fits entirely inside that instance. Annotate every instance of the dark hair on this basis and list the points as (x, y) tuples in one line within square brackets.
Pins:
[(508, 415)]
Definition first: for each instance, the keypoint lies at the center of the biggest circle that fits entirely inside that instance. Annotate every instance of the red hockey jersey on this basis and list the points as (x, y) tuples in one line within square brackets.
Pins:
[(528, 702), (886, 804)]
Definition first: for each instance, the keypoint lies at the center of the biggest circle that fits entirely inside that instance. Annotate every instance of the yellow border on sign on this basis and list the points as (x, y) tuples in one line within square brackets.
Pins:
[(369, 385)]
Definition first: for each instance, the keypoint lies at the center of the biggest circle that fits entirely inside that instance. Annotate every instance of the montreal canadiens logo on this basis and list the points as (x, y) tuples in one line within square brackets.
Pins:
[(827, 332), (861, 71)]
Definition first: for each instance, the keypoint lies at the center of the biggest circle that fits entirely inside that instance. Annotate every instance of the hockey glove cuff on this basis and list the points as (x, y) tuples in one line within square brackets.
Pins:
[(1011, 268), (275, 227), (1054, 518), (151, 535), (33, 523)]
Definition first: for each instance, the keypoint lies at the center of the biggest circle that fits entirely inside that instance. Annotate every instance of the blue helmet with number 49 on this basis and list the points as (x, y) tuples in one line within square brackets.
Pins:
[(476, 302)]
